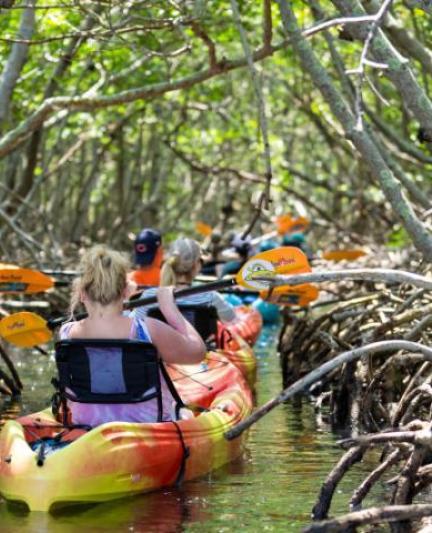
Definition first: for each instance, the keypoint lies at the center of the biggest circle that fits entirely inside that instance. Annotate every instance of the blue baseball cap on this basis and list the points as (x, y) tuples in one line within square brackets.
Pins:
[(147, 243)]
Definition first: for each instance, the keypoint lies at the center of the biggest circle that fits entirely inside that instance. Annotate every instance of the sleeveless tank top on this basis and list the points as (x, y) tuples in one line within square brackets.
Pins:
[(94, 414)]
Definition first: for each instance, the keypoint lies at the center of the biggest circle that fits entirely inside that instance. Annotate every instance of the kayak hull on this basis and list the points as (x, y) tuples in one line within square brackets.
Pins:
[(121, 459), (247, 327), (236, 341)]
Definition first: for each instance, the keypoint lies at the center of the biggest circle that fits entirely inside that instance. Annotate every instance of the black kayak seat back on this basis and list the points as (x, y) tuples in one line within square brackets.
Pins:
[(108, 370), (202, 317)]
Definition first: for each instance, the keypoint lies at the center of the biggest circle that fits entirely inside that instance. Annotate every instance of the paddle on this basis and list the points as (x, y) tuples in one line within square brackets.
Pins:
[(14, 279), (340, 255), (203, 229), (17, 280), (287, 224), (28, 329), (300, 295), (66, 273)]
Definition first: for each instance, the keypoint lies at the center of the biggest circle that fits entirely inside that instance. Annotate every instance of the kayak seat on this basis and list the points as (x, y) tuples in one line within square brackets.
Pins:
[(202, 317), (109, 371)]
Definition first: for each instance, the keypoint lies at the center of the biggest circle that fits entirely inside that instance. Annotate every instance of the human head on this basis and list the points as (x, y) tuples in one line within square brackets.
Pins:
[(215, 237), (242, 245), (147, 244), (293, 239), (183, 260), (103, 277)]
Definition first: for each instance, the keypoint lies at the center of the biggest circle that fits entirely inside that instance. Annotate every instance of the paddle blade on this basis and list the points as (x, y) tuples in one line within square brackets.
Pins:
[(340, 255), (14, 279), (287, 224), (284, 260), (25, 329), (203, 229), (300, 295)]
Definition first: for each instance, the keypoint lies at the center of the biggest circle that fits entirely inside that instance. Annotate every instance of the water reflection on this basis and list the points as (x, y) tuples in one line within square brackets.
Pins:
[(272, 487), (163, 512)]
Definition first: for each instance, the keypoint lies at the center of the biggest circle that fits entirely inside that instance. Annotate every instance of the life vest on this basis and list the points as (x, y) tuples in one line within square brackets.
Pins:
[(148, 274)]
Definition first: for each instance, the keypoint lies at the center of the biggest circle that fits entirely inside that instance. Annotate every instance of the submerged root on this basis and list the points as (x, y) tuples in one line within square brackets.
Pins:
[(388, 393)]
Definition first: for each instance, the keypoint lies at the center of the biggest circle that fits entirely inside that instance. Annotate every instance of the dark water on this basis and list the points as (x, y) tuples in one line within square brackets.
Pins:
[(273, 487)]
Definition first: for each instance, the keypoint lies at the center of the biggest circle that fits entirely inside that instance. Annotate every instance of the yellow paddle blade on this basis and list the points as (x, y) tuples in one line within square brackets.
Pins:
[(300, 295), (279, 261), (287, 224), (340, 255), (14, 279), (25, 329), (203, 229)]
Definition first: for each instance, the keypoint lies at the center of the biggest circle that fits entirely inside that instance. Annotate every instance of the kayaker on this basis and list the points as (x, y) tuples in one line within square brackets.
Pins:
[(179, 269), (244, 249), (102, 287), (148, 257), (268, 244), (214, 262)]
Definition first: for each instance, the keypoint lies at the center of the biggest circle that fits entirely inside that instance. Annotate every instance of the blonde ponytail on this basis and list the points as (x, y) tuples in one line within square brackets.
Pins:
[(103, 276), (183, 256), (168, 275)]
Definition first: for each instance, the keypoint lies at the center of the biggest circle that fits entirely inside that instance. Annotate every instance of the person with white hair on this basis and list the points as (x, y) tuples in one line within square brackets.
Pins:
[(181, 266)]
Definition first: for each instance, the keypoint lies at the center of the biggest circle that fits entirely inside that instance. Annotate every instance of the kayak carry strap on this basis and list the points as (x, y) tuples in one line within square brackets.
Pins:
[(171, 387), (59, 403), (186, 454)]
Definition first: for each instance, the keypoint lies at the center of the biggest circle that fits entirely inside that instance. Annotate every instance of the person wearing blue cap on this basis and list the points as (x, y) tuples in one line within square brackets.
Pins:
[(148, 253)]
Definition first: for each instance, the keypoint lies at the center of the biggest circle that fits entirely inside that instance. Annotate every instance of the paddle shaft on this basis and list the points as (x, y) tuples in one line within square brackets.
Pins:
[(69, 273), (240, 292), (139, 302)]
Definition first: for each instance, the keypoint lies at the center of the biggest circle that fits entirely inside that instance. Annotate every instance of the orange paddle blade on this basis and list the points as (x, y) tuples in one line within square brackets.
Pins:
[(300, 295), (287, 224), (14, 279), (284, 260), (25, 329), (340, 255), (203, 229)]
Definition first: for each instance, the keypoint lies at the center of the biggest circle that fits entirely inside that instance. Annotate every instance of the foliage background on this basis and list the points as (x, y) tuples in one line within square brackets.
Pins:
[(117, 115)]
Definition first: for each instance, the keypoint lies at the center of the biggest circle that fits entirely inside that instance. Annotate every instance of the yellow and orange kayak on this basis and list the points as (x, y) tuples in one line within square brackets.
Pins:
[(118, 459)]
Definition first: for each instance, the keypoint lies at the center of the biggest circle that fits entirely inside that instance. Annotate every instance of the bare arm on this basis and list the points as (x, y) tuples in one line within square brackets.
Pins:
[(177, 341)]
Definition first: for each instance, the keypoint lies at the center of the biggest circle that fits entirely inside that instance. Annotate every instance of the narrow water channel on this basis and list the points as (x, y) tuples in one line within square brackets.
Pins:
[(271, 488)]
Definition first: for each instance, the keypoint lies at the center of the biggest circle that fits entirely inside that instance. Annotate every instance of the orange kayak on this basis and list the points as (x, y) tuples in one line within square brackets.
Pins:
[(247, 326), (45, 465), (235, 340)]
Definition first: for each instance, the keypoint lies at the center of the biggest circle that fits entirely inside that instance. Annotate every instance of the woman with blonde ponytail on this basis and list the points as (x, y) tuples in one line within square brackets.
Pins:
[(179, 270), (102, 287)]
